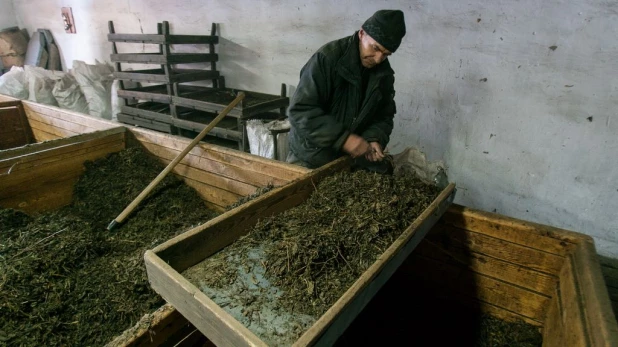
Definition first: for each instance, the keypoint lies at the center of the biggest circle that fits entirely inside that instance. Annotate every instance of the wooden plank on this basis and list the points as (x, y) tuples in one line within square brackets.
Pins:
[(48, 197), (212, 194), (154, 58), (543, 237), (60, 123), (20, 181), (146, 123), (163, 327), (572, 314), (220, 168), (599, 321), (470, 284), (42, 136), (211, 179), (515, 274), (227, 155), (50, 131), (60, 153), (158, 75), (531, 258), (39, 147), (250, 164), (221, 328), (163, 39), (93, 123), (15, 130), (553, 329), (198, 127)]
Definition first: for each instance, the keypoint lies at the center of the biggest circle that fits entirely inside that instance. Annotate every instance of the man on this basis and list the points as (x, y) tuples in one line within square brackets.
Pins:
[(344, 100)]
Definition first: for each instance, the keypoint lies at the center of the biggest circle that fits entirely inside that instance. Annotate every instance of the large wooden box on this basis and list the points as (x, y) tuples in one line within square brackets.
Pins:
[(165, 263), (40, 177), (508, 268)]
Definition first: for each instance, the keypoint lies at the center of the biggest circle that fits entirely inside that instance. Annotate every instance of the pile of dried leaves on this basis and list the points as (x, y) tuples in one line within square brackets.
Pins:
[(66, 279), (315, 251)]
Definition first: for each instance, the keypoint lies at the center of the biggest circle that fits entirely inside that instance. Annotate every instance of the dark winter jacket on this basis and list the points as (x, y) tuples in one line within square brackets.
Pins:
[(330, 103)]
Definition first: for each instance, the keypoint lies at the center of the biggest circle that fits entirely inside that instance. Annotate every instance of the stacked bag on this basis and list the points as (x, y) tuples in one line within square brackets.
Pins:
[(86, 88)]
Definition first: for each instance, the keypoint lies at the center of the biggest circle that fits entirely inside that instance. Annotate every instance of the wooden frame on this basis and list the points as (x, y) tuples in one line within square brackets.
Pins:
[(165, 262)]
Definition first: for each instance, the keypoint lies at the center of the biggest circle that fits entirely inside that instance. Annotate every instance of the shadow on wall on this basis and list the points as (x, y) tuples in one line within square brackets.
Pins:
[(236, 64)]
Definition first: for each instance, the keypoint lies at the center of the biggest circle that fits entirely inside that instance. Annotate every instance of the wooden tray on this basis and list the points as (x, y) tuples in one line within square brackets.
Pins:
[(165, 263)]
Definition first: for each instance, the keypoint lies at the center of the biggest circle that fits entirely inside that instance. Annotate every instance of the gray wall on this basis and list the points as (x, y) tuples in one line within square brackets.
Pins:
[(7, 14), (519, 98)]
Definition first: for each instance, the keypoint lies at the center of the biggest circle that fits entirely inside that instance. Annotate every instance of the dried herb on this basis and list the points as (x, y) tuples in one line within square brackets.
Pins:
[(65, 279)]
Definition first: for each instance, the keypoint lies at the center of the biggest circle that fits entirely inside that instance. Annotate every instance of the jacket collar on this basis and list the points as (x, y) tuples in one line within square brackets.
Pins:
[(350, 67)]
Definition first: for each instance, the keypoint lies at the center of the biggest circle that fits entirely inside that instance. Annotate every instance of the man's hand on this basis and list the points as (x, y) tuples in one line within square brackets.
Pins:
[(356, 146), (375, 152)]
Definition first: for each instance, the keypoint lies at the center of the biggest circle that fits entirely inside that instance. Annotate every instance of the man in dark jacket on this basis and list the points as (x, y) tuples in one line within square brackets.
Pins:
[(344, 100)]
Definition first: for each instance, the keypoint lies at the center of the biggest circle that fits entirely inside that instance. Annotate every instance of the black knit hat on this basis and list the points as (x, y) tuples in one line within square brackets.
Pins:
[(387, 27)]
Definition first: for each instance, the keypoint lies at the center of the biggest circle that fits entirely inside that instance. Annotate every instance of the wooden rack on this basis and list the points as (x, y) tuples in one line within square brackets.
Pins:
[(170, 106)]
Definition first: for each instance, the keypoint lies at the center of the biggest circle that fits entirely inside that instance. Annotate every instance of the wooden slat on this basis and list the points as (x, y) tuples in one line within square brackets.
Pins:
[(532, 258), (21, 180), (572, 313), (48, 146), (553, 329), (61, 123), (233, 186), (218, 325), (50, 130), (42, 136), (154, 58), (50, 197), (250, 163), (525, 233), (163, 39), (600, 324), (212, 194), (241, 174), (481, 287), (483, 264), (165, 326), (93, 123)]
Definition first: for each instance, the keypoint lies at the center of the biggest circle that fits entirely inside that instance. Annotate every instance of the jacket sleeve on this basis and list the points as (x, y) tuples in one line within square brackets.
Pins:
[(381, 127), (308, 111)]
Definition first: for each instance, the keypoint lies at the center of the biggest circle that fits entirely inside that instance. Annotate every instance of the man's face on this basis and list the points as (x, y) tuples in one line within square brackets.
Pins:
[(371, 52)]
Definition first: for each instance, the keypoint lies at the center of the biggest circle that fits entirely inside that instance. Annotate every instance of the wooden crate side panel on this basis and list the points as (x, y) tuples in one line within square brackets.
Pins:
[(48, 198), (195, 245), (33, 186), (572, 313), (6, 98), (15, 130), (481, 263), (472, 285), (92, 123), (60, 150), (599, 321), (220, 327), (533, 235), (46, 132), (243, 175), (62, 124), (214, 195), (205, 177), (553, 329), (498, 248), (276, 169)]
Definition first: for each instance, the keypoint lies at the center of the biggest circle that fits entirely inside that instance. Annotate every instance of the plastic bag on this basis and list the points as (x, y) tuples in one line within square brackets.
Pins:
[(95, 82), (41, 83), (69, 95), (13, 83), (262, 136)]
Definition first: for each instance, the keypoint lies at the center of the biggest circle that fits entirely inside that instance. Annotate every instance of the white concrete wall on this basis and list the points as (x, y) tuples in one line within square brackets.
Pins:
[(7, 14), (526, 130)]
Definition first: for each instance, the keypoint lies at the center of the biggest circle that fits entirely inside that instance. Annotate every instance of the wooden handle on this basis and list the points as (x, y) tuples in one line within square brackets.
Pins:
[(121, 217)]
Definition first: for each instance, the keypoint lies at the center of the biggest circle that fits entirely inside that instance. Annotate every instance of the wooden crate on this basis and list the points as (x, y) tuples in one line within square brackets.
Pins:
[(14, 128), (165, 263), (505, 267), (42, 175)]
